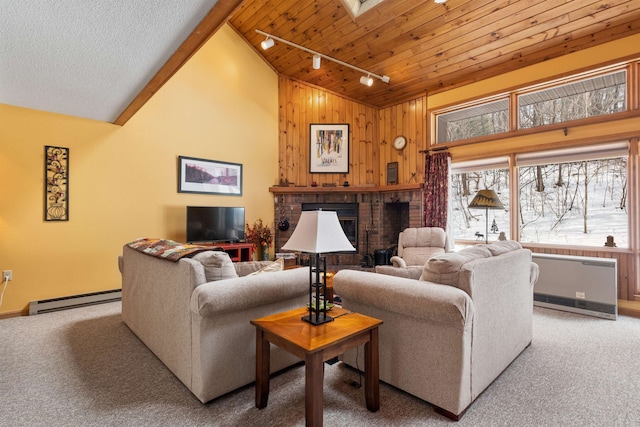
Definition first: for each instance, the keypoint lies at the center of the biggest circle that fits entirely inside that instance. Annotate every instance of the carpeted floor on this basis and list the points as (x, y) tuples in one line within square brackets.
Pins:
[(84, 367)]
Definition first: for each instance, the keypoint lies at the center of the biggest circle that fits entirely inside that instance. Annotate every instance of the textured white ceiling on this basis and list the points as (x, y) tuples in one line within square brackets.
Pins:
[(88, 58)]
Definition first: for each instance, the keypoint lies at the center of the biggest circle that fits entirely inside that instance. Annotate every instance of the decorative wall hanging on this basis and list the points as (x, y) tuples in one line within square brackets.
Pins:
[(56, 178), (329, 148), (209, 176)]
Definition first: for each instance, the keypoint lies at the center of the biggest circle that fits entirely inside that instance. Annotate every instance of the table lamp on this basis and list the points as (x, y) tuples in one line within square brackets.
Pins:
[(318, 232), (486, 199)]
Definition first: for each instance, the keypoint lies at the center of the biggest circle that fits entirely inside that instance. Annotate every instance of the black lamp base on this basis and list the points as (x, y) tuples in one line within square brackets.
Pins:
[(317, 287), (319, 320)]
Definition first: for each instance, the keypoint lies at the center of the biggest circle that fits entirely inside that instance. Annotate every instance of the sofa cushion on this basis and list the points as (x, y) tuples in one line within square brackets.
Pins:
[(217, 265), (504, 246), (277, 265), (445, 268)]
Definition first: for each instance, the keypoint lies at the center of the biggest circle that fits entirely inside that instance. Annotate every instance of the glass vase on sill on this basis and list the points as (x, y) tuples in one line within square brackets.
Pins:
[(264, 253)]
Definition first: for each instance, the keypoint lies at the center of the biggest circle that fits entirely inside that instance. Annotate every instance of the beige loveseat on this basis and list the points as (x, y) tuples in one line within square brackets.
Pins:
[(448, 335), (199, 328)]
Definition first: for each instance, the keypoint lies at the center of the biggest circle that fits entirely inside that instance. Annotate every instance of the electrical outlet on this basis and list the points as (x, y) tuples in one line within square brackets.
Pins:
[(7, 275)]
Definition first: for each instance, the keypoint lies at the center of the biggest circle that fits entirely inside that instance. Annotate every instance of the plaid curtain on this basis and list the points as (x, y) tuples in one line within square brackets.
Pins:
[(436, 190)]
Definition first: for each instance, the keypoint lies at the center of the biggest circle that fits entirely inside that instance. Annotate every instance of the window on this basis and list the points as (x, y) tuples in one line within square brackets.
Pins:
[(488, 118), (595, 96), (466, 179), (574, 197)]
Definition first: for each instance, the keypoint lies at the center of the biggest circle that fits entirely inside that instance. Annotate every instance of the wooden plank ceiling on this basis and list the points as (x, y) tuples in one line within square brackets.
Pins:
[(420, 45), (423, 46)]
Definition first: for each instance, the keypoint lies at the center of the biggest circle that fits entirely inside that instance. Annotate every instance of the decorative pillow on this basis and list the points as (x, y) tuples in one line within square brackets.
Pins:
[(217, 265), (244, 268), (445, 268), (277, 265), (504, 246)]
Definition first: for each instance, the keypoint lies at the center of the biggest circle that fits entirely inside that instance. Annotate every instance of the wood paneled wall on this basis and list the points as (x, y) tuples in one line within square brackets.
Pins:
[(409, 120), (302, 105), (371, 135)]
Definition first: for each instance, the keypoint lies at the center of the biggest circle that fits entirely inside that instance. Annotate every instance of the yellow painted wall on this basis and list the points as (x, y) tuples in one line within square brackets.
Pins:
[(222, 105)]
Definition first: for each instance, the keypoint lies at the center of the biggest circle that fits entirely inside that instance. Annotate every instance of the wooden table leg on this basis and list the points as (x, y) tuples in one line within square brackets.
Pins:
[(371, 372), (263, 361), (314, 379)]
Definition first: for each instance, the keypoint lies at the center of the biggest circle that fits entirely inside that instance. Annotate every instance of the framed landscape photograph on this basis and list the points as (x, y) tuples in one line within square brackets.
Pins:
[(329, 148), (209, 176)]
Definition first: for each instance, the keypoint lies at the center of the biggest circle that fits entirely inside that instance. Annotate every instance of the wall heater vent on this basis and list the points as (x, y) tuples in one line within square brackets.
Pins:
[(74, 301), (584, 285)]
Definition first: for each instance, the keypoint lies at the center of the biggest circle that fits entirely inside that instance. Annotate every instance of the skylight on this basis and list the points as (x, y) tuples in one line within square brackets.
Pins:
[(358, 7)]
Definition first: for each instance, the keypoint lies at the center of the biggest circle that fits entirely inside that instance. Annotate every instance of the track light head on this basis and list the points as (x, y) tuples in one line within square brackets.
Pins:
[(316, 62), (267, 43), (366, 80)]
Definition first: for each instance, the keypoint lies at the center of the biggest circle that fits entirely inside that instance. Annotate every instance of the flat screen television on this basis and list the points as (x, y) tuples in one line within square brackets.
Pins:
[(215, 224)]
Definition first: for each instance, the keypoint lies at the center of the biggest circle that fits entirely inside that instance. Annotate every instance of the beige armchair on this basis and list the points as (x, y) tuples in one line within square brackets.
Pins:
[(416, 245)]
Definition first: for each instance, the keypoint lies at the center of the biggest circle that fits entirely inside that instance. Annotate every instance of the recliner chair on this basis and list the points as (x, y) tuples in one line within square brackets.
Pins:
[(416, 245)]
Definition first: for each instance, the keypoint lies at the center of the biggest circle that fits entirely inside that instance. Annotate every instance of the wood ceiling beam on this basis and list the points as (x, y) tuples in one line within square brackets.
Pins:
[(217, 16)]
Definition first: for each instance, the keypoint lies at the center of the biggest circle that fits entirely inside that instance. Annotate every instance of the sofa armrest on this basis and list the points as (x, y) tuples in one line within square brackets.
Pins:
[(535, 273), (396, 261), (411, 272), (409, 297), (224, 296)]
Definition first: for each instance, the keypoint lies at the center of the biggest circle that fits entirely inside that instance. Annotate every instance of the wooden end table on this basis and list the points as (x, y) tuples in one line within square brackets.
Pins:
[(315, 345)]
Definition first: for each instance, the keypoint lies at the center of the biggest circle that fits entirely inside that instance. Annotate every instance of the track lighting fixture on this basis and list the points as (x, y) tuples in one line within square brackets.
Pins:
[(267, 43), (366, 80)]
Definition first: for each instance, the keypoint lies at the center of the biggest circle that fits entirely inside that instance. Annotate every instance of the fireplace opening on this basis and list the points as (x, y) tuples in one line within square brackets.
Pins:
[(396, 219), (347, 215)]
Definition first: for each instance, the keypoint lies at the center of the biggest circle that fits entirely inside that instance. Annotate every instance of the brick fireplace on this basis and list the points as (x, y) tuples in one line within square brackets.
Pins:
[(371, 218)]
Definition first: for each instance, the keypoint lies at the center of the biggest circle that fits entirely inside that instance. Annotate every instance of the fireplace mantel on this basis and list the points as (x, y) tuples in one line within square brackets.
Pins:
[(342, 189)]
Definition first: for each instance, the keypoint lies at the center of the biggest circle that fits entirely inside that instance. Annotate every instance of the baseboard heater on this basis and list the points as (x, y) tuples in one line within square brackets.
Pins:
[(74, 301), (584, 285)]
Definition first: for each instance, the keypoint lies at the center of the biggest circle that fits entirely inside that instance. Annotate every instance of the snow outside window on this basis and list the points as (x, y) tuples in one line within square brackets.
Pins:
[(575, 201), (467, 178)]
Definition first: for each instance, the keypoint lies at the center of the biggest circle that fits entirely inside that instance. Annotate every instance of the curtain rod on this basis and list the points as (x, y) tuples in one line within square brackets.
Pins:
[(433, 150), (385, 79)]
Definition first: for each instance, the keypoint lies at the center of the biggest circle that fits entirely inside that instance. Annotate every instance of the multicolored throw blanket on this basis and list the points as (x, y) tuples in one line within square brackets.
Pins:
[(167, 249)]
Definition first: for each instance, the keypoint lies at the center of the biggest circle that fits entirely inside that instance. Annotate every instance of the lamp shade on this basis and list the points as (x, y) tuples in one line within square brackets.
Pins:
[(318, 232), (486, 199)]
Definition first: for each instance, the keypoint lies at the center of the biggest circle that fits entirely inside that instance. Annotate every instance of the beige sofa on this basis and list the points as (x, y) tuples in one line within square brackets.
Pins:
[(200, 329), (448, 335)]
